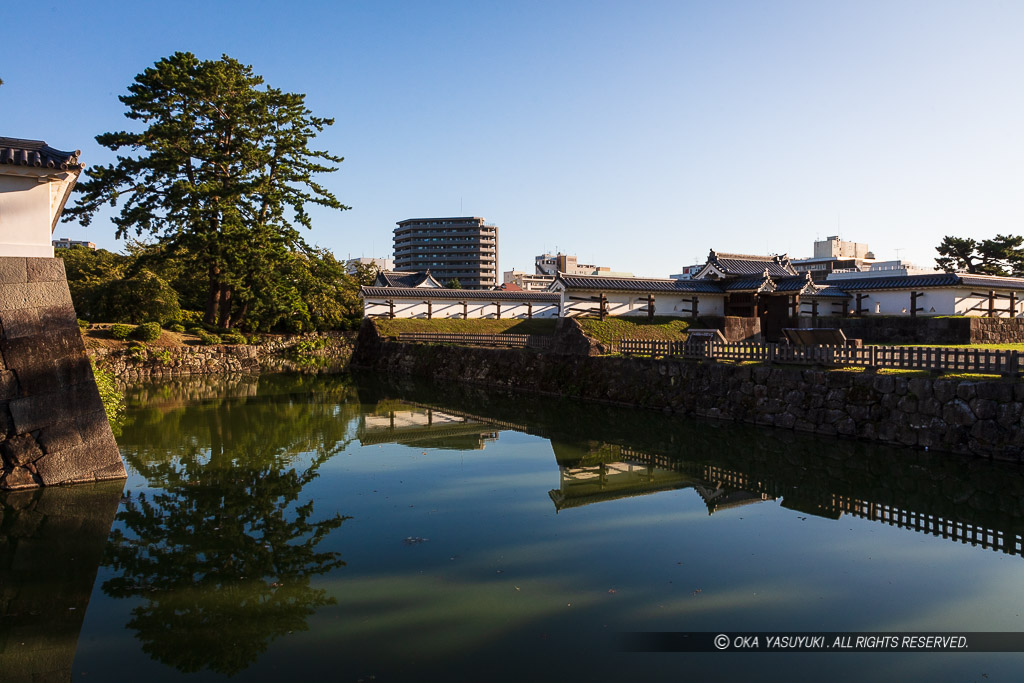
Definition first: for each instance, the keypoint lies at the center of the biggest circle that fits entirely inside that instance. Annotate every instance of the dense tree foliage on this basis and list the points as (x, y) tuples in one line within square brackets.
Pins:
[(1001, 255), (365, 274), (221, 175), (309, 290)]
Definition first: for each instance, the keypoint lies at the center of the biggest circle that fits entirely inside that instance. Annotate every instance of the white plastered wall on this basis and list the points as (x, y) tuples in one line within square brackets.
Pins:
[(26, 216), (635, 303), (448, 308), (936, 301)]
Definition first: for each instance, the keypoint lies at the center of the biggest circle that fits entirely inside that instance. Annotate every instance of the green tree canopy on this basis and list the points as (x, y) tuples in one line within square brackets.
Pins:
[(1001, 255), (222, 170)]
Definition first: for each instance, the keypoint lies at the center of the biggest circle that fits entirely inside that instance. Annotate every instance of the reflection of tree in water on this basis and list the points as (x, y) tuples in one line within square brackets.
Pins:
[(224, 552)]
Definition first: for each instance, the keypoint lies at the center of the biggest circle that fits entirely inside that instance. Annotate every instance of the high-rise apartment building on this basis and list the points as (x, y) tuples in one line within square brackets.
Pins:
[(464, 248)]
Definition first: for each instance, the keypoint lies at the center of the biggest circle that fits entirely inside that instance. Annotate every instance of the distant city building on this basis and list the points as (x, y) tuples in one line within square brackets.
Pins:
[(836, 260), (820, 268), (353, 263), (547, 266), (833, 247), (530, 282), (463, 248), (65, 243), (832, 254), (552, 264), (897, 268), (687, 272)]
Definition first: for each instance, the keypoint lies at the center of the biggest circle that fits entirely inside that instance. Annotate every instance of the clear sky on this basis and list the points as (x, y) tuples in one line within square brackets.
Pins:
[(637, 135)]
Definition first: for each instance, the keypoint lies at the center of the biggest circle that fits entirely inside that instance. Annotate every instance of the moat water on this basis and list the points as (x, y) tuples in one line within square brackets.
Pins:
[(303, 528)]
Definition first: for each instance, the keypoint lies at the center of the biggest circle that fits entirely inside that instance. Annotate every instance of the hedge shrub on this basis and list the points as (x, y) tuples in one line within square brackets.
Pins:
[(121, 331), (147, 332)]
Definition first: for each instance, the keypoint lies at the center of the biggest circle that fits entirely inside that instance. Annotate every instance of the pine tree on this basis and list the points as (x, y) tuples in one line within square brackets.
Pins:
[(222, 170)]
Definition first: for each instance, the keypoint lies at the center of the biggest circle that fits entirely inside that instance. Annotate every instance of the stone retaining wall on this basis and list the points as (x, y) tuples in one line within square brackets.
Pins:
[(982, 418), (276, 354), (53, 429)]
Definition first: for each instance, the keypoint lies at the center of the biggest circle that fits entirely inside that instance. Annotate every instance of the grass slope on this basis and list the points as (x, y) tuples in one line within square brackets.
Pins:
[(613, 329)]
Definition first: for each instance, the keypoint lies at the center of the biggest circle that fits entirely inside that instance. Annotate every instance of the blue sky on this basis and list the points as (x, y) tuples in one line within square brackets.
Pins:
[(635, 135)]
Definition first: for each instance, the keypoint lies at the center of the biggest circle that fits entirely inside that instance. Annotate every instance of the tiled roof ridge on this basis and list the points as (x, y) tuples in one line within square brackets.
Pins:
[(751, 257), (36, 153)]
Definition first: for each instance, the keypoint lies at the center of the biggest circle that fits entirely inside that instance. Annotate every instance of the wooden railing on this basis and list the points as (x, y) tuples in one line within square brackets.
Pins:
[(982, 361), (534, 341)]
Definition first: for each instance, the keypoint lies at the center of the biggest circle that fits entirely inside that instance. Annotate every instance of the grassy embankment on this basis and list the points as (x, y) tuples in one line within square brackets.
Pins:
[(613, 329), (605, 331)]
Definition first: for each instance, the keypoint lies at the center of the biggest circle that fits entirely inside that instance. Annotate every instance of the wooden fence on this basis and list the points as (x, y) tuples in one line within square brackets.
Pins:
[(982, 361), (533, 341)]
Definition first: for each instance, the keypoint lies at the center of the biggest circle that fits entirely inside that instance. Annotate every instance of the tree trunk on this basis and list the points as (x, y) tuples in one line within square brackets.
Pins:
[(224, 319), (213, 294), (239, 315)]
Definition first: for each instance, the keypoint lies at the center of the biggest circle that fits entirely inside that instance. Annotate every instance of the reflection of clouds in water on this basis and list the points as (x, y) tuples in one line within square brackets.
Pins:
[(957, 610), (640, 520), (433, 616), (728, 604)]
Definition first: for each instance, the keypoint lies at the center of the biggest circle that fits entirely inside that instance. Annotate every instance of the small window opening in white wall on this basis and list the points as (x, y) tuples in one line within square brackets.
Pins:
[(904, 310), (878, 307)]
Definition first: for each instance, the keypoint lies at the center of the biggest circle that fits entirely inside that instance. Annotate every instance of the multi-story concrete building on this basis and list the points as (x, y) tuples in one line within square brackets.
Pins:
[(464, 248), (529, 282), (352, 265), (66, 243), (833, 247), (552, 264)]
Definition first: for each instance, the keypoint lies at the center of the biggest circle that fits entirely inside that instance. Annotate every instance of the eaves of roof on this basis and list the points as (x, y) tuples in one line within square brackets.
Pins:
[(930, 280), (36, 153), (456, 294), (793, 283), (749, 284), (828, 292), (611, 284)]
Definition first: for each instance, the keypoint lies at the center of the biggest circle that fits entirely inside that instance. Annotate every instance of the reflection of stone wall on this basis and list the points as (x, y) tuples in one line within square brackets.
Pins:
[(982, 418), (51, 544), (52, 425)]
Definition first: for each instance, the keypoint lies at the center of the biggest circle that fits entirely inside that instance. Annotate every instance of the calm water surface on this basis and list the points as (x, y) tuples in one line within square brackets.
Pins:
[(289, 528)]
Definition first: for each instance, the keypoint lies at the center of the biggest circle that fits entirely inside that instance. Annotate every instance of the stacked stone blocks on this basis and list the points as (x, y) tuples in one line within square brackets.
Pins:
[(983, 418), (53, 429)]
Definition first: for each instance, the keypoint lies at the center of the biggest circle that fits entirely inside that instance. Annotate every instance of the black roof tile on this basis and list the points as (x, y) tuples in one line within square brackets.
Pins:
[(36, 153), (793, 283), (393, 278), (747, 284), (746, 264), (630, 284), (929, 280), (829, 292)]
